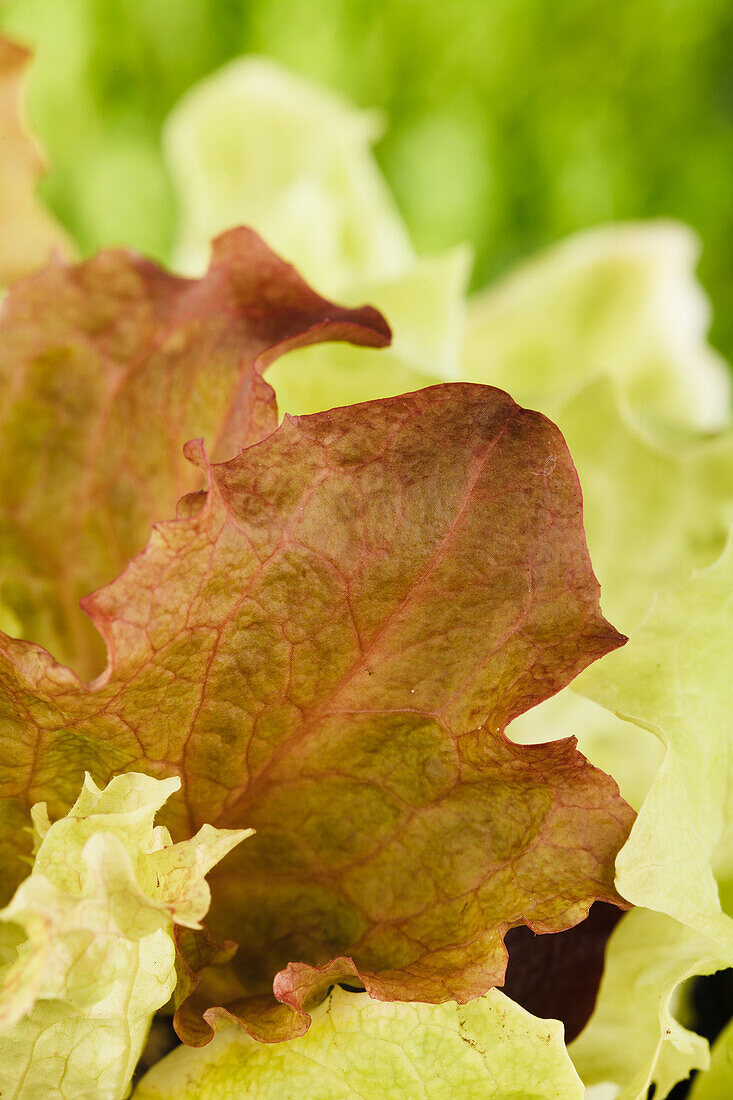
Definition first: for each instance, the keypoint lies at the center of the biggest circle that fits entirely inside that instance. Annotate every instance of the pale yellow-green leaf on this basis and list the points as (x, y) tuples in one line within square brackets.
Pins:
[(357, 1047), (633, 1038), (617, 300), (425, 309), (28, 233), (86, 953), (255, 145), (652, 513), (674, 679), (718, 1081)]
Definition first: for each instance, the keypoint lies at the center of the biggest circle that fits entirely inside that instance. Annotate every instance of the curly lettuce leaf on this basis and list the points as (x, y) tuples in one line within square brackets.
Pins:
[(28, 233), (633, 1038), (675, 682), (88, 953), (107, 368), (677, 861), (618, 301), (356, 1046), (328, 651)]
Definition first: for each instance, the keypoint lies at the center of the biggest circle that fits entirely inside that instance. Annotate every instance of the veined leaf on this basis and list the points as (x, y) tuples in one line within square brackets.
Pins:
[(328, 651), (107, 368), (357, 1047)]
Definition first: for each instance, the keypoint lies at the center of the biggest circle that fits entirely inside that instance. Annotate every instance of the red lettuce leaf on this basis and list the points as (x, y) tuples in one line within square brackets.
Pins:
[(328, 650), (107, 368)]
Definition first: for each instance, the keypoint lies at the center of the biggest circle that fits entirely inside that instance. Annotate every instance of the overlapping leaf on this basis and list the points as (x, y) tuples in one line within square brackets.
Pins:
[(328, 652), (634, 1039), (677, 860), (490, 1048), (106, 369), (676, 683), (319, 170), (28, 233)]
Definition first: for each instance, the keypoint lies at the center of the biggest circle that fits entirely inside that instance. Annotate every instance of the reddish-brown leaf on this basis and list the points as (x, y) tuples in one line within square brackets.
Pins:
[(328, 650), (107, 368)]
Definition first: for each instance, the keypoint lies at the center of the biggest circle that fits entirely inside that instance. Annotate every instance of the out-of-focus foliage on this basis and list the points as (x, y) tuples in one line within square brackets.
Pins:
[(620, 300), (512, 123), (252, 144), (27, 233)]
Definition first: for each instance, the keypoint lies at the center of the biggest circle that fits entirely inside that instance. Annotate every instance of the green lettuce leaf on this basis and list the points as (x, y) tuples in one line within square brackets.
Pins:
[(28, 233), (633, 1038), (87, 947), (618, 301), (107, 368), (328, 650), (719, 1081), (254, 144), (318, 170), (653, 512), (677, 861), (675, 682), (359, 1047)]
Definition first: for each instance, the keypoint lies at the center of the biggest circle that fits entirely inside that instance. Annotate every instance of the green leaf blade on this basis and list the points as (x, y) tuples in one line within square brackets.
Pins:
[(359, 1047)]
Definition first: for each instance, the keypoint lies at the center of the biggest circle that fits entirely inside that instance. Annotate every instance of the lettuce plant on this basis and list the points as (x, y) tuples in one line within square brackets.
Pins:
[(330, 639)]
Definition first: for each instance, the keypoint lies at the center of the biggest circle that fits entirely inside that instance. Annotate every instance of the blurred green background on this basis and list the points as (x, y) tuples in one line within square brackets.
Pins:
[(510, 123)]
